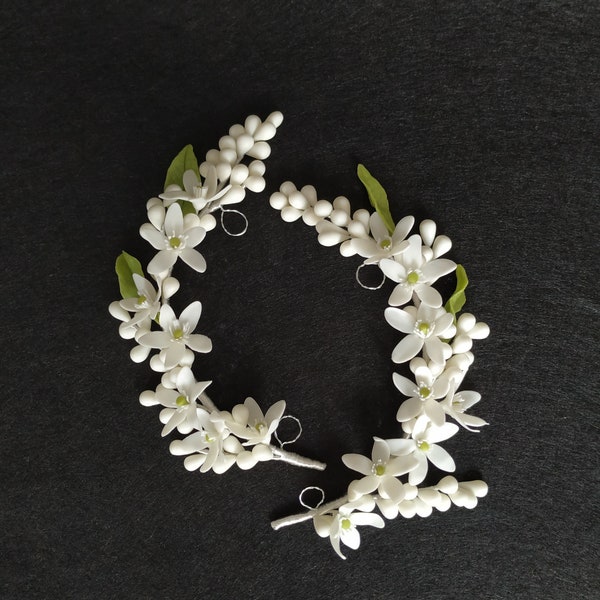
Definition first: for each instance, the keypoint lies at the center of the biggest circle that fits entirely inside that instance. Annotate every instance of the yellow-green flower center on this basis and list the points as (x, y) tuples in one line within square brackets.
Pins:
[(412, 278), (178, 333), (181, 401), (141, 299), (208, 439), (379, 470), (423, 328), (260, 426), (423, 446), (174, 242), (424, 391), (385, 244), (346, 524)]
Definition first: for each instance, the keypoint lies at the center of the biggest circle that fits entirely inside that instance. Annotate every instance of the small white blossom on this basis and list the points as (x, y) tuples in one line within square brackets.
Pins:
[(194, 191), (382, 245), (145, 305), (426, 327), (423, 446), (380, 472), (341, 525), (177, 334), (206, 448), (423, 395), (414, 273), (248, 422), (181, 409), (455, 405), (174, 241)]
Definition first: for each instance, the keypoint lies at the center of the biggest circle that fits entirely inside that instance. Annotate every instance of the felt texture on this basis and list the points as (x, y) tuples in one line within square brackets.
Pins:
[(482, 116)]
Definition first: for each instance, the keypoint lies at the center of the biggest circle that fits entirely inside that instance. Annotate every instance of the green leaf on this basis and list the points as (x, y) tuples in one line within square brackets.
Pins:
[(125, 267), (377, 197), (458, 299), (183, 162)]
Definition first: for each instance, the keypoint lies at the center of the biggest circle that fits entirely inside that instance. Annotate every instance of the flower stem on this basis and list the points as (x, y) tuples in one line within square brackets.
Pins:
[(295, 459), (306, 516)]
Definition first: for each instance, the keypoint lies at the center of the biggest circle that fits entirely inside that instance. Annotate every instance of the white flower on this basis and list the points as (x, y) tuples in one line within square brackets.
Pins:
[(455, 405), (423, 395), (200, 194), (147, 303), (415, 274), (181, 410), (380, 472), (423, 446), (174, 241), (177, 334), (206, 448), (341, 525), (248, 422), (425, 326), (382, 245)]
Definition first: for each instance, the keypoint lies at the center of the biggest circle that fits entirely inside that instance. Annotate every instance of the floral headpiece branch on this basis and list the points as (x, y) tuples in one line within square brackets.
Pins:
[(437, 345)]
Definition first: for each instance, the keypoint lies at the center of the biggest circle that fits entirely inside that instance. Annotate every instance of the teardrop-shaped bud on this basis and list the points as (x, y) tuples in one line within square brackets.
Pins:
[(427, 229)]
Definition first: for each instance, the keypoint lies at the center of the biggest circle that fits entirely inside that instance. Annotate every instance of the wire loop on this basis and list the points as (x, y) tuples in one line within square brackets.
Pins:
[(227, 231), (367, 287)]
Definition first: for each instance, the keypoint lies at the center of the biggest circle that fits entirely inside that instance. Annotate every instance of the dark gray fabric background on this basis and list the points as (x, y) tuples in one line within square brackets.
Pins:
[(482, 116)]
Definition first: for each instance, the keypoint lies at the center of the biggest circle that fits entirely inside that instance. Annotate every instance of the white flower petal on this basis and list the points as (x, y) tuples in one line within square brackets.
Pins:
[(400, 320), (194, 236), (153, 236), (440, 458), (174, 221), (440, 434), (162, 261), (191, 315), (435, 411), (359, 463), (365, 247), (409, 409), (173, 355), (428, 295), (363, 486), (405, 385), (176, 418), (155, 339), (403, 227), (380, 452), (393, 270), (407, 348), (275, 412), (401, 294), (193, 259), (351, 537), (437, 268), (435, 349), (392, 489), (417, 475)]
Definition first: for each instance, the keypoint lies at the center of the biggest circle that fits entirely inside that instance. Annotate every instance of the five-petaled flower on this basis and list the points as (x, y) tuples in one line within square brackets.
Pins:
[(382, 245), (414, 274), (198, 193), (248, 422), (426, 327), (177, 334), (380, 472), (174, 241), (423, 446), (341, 525)]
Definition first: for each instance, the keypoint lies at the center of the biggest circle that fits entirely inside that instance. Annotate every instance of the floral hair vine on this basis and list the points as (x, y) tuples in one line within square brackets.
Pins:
[(437, 345)]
